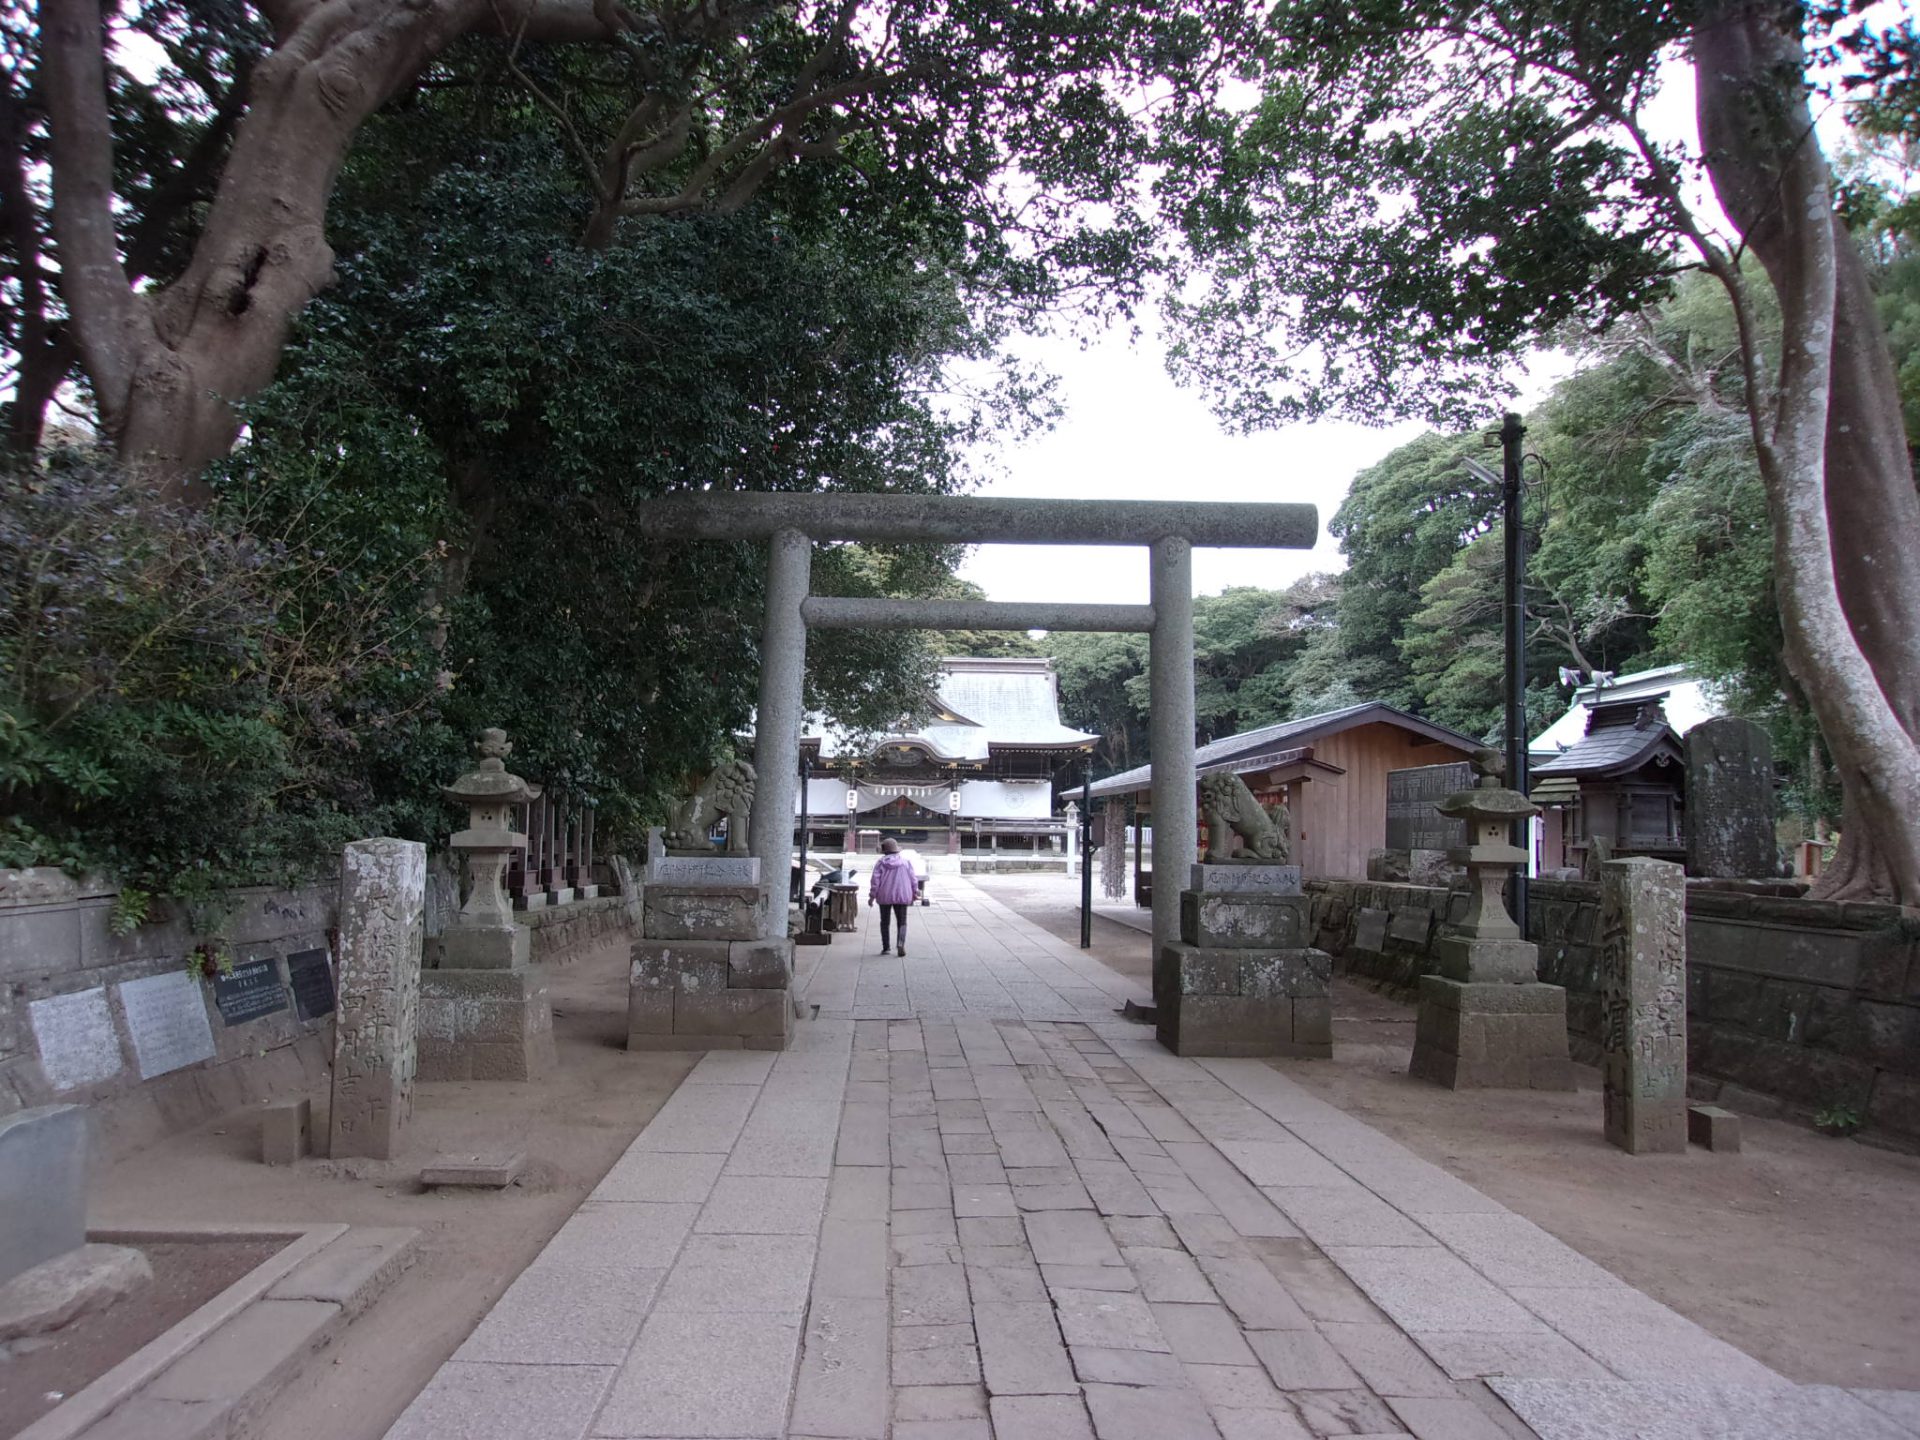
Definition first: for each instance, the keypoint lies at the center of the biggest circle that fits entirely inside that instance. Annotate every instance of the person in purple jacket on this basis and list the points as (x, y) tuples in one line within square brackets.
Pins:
[(892, 887)]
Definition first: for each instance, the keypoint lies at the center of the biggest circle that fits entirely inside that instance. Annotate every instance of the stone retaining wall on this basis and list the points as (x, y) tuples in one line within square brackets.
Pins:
[(567, 934), (1793, 1005), (99, 1019)]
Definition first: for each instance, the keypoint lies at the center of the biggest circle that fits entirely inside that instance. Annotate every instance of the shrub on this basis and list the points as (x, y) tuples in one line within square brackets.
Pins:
[(172, 683)]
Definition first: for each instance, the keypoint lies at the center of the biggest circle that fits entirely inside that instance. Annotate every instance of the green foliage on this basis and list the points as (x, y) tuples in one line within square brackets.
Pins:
[(994, 643), (1247, 643), (1401, 524), (1839, 1120), (171, 685), (131, 908), (547, 390)]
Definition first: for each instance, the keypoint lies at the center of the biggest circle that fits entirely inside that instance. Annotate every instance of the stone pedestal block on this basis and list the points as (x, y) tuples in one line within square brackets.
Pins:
[(676, 911), (1241, 1002), (43, 1186), (693, 965), (710, 994), (485, 1025), (286, 1132), (1249, 921), (383, 918), (1494, 1036), (1506, 962), (493, 947), (1643, 1005)]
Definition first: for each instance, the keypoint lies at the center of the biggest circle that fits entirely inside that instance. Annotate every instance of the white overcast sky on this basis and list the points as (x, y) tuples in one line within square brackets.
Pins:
[(1130, 433)]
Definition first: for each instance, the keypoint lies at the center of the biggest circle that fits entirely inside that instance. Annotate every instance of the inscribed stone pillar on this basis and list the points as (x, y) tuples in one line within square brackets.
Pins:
[(383, 901), (1730, 811), (1643, 1004)]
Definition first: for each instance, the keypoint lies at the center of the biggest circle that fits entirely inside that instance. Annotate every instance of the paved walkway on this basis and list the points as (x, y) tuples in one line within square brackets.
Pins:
[(971, 1203)]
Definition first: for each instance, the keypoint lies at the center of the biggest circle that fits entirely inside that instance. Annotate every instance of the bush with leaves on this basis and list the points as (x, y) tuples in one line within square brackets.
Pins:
[(173, 684)]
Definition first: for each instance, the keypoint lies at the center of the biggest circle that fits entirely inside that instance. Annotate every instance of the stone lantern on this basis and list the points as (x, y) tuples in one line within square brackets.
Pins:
[(1488, 944), (484, 1012), (483, 934), (1485, 1020)]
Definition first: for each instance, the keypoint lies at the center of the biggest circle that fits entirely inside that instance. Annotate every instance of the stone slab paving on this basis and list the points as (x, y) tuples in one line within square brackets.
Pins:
[(973, 1204)]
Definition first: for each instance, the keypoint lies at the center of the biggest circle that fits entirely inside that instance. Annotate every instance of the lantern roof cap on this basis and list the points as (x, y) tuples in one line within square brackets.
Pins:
[(489, 782)]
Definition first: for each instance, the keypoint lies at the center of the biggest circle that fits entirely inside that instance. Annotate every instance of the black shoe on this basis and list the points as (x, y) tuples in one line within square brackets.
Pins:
[(901, 951)]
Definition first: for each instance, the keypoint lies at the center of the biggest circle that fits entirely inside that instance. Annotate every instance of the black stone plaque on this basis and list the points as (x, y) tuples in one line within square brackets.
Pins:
[(1412, 822), (249, 991), (312, 978)]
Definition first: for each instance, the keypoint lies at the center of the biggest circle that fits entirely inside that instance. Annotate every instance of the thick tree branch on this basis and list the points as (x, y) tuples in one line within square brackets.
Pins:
[(92, 278)]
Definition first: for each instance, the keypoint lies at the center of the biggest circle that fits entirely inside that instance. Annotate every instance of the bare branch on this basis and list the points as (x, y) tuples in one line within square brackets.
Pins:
[(548, 103)]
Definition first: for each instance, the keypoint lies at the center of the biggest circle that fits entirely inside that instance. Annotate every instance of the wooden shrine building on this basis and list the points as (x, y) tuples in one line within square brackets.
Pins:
[(977, 774), (1330, 769)]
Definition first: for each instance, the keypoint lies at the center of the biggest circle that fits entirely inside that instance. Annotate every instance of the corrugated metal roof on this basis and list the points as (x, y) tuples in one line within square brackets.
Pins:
[(1251, 744)]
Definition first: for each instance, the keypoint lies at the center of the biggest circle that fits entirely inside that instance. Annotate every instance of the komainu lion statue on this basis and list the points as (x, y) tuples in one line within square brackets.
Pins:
[(1231, 810), (726, 791)]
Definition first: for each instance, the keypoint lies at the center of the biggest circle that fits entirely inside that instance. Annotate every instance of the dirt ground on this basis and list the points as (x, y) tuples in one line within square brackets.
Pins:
[(46, 1370), (1802, 1250), (473, 1243)]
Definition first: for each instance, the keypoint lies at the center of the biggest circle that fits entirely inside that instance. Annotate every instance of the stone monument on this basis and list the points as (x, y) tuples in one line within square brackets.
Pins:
[(1243, 978), (43, 1185), (1643, 1004), (383, 914), (705, 975), (1730, 810), (1485, 1020), (49, 1275), (484, 1015)]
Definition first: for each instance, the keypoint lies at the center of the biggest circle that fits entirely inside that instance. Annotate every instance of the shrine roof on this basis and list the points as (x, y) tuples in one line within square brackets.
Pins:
[(979, 703)]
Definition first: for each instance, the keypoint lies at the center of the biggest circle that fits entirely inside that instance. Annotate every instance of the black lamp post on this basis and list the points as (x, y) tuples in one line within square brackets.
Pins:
[(1514, 613), (1086, 867)]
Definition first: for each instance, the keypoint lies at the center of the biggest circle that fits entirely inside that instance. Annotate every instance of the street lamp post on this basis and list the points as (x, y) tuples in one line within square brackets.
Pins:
[(1514, 613), (1086, 866)]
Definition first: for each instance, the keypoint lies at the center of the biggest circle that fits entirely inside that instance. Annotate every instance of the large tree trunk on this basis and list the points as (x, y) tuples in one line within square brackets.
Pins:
[(1840, 489), (169, 367)]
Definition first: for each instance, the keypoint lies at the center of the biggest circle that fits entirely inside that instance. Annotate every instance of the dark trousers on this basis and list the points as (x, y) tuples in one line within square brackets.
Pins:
[(889, 913)]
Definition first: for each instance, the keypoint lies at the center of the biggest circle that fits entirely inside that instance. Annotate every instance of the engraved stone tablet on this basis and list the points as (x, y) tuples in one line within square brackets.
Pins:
[(1370, 930), (311, 974), (700, 870), (167, 1018), (383, 902), (1412, 822), (74, 1033), (249, 992), (1264, 879)]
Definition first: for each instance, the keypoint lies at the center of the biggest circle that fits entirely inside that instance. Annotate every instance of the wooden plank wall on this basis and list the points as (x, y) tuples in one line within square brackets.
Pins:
[(1345, 816)]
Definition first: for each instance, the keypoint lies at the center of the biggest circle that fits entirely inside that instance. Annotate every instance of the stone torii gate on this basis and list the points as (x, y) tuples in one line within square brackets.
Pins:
[(1169, 529)]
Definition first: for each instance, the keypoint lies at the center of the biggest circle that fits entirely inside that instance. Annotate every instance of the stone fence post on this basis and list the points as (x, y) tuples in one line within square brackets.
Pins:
[(1643, 1004), (383, 927)]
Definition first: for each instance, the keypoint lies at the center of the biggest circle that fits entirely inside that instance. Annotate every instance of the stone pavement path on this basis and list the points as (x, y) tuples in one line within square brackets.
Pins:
[(973, 1204)]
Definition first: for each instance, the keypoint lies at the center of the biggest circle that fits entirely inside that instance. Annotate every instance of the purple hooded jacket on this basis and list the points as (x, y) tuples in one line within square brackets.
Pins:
[(892, 882)]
